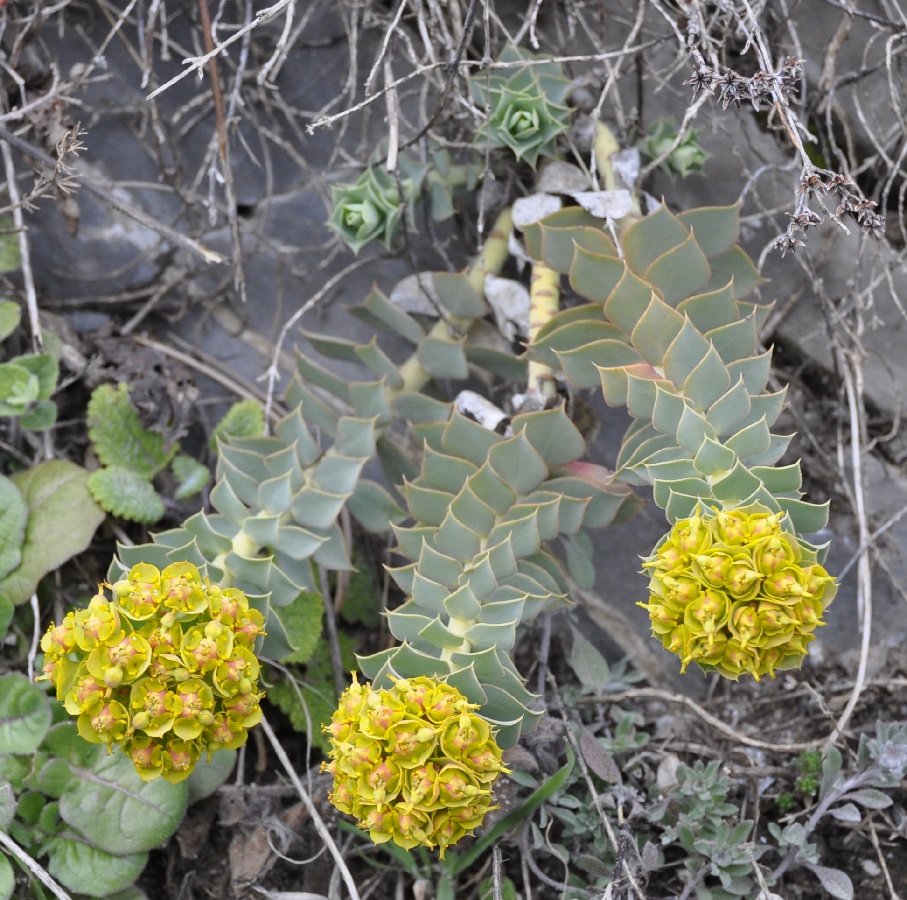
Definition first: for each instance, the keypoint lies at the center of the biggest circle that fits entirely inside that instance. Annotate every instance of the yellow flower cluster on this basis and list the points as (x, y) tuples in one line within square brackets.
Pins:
[(165, 670), (414, 763), (734, 592)]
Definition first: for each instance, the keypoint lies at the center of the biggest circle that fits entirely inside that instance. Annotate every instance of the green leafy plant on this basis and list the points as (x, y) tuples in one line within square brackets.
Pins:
[(47, 516), (684, 157), (132, 455), (880, 766), (68, 802), (526, 108), (696, 815), (27, 381)]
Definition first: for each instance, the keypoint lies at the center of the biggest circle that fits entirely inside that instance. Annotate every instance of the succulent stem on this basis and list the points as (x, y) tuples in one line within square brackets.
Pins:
[(604, 146), (489, 261), (544, 301)]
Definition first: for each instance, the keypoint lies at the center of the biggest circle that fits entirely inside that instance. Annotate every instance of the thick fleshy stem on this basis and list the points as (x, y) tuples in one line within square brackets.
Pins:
[(544, 301), (490, 261)]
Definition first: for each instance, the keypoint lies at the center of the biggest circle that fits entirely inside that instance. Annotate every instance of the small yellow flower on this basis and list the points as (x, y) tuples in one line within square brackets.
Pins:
[(414, 763), (736, 593), (165, 670)]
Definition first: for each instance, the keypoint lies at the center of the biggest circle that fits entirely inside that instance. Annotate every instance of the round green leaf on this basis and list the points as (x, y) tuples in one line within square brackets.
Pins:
[(7, 804), (87, 870), (7, 879), (117, 811), (208, 776), (62, 519), (13, 518), (24, 715)]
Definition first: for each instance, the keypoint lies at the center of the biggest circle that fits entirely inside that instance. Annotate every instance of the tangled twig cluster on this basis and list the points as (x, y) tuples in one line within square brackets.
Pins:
[(851, 203), (763, 87)]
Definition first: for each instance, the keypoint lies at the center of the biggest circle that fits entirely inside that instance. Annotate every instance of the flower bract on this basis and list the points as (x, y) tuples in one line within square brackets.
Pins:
[(165, 669), (414, 764), (736, 592)]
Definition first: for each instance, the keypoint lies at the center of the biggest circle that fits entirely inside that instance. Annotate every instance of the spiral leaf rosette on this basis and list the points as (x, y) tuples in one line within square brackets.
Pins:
[(371, 208), (413, 763), (526, 105), (737, 591), (166, 670)]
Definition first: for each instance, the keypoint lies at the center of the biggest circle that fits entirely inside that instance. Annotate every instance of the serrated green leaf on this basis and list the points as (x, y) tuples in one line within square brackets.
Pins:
[(118, 437), (127, 494), (243, 419), (25, 714), (567, 220), (7, 878), (18, 388), (45, 368), (302, 622), (7, 610), (191, 475), (62, 519)]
